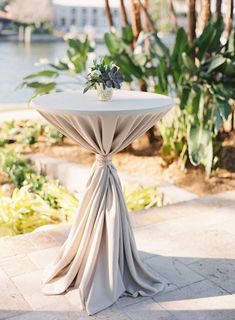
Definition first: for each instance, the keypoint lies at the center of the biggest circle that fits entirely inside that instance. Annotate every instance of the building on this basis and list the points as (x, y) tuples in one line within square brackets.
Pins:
[(80, 15)]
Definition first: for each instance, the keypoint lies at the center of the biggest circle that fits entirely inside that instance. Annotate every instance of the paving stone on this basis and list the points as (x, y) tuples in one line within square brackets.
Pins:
[(174, 271), (226, 199), (50, 315), (112, 313), (58, 232), (20, 244), (42, 240), (219, 271), (43, 257), (6, 248), (200, 301), (203, 236), (62, 306), (17, 265), (147, 310), (11, 301), (30, 287)]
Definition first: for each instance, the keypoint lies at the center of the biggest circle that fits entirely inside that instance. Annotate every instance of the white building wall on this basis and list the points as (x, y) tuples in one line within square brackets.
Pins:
[(81, 17)]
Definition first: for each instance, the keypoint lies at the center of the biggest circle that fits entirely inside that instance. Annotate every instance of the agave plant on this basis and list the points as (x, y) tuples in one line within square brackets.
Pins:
[(106, 74)]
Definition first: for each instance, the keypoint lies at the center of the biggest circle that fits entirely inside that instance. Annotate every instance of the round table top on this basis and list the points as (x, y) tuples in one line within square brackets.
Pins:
[(123, 102)]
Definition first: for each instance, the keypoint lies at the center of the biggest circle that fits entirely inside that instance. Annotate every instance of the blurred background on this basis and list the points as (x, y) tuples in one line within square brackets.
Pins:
[(33, 31)]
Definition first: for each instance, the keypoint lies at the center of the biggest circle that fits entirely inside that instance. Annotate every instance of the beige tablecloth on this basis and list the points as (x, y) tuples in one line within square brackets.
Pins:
[(99, 261)]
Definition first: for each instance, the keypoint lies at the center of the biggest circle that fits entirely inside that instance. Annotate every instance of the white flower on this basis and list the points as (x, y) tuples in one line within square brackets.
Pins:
[(95, 74), (43, 61)]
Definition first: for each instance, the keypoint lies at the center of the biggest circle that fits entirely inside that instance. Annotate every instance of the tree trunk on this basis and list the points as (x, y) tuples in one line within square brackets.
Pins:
[(135, 18), (109, 14), (173, 15), (206, 9), (191, 20), (148, 17), (229, 16), (123, 13), (218, 9), (146, 25)]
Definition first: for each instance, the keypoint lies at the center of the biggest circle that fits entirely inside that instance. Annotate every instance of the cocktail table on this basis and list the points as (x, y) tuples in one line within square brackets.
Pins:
[(99, 261)]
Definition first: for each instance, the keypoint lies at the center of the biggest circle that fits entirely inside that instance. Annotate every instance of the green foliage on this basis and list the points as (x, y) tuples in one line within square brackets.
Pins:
[(140, 198), (53, 135), (30, 135), (25, 211), (38, 200), (28, 132), (15, 166), (202, 75), (46, 81)]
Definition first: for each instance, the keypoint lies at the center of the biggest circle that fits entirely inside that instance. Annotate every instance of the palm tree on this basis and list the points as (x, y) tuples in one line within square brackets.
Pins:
[(206, 10), (147, 15), (173, 14), (135, 18), (191, 20), (109, 14), (229, 16), (218, 9), (123, 13)]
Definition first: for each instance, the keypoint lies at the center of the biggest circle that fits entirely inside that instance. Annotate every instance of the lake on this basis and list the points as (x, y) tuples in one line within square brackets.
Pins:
[(18, 60)]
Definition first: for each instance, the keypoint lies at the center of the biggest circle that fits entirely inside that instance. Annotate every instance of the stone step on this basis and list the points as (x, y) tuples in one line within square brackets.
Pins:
[(74, 176)]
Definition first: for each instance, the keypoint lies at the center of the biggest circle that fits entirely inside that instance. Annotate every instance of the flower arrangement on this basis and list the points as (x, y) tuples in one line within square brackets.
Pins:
[(104, 78)]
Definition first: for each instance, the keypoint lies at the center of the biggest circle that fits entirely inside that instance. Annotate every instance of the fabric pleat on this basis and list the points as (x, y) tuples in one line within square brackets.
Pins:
[(99, 261)]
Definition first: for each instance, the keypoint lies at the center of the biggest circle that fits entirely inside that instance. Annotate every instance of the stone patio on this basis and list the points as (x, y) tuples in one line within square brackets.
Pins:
[(189, 245)]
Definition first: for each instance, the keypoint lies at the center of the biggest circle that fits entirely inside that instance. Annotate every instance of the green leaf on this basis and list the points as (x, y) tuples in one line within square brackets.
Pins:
[(165, 50), (231, 42), (188, 62), (113, 43), (229, 67), (184, 97), (44, 73), (181, 45), (215, 42), (61, 66), (217, 62), (224, 108), (127, 65), (127, 34), (200, 147), (205, 40)]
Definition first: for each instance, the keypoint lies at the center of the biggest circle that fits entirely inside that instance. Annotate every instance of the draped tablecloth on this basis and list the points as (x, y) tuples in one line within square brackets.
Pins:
[(99, 261)]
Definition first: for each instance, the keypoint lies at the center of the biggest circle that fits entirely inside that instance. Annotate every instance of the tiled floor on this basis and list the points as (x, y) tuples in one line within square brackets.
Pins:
[(190, 246)]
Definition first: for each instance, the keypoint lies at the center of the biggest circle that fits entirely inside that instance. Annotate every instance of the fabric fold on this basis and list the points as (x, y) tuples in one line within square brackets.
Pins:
[(99, 261)]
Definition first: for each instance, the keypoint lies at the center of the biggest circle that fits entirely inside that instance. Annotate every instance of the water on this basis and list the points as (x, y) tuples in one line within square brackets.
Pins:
[(18, 60)]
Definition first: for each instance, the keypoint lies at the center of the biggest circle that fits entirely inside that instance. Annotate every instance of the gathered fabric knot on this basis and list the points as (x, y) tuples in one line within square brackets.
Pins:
[(103, 160)]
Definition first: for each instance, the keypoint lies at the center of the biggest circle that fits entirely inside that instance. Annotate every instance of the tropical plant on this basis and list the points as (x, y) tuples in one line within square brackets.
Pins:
[(53, 135), (140, 198), (30, 135), (198, 71), (25, 211), (15, 166), (202, 75), (75, 63)]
